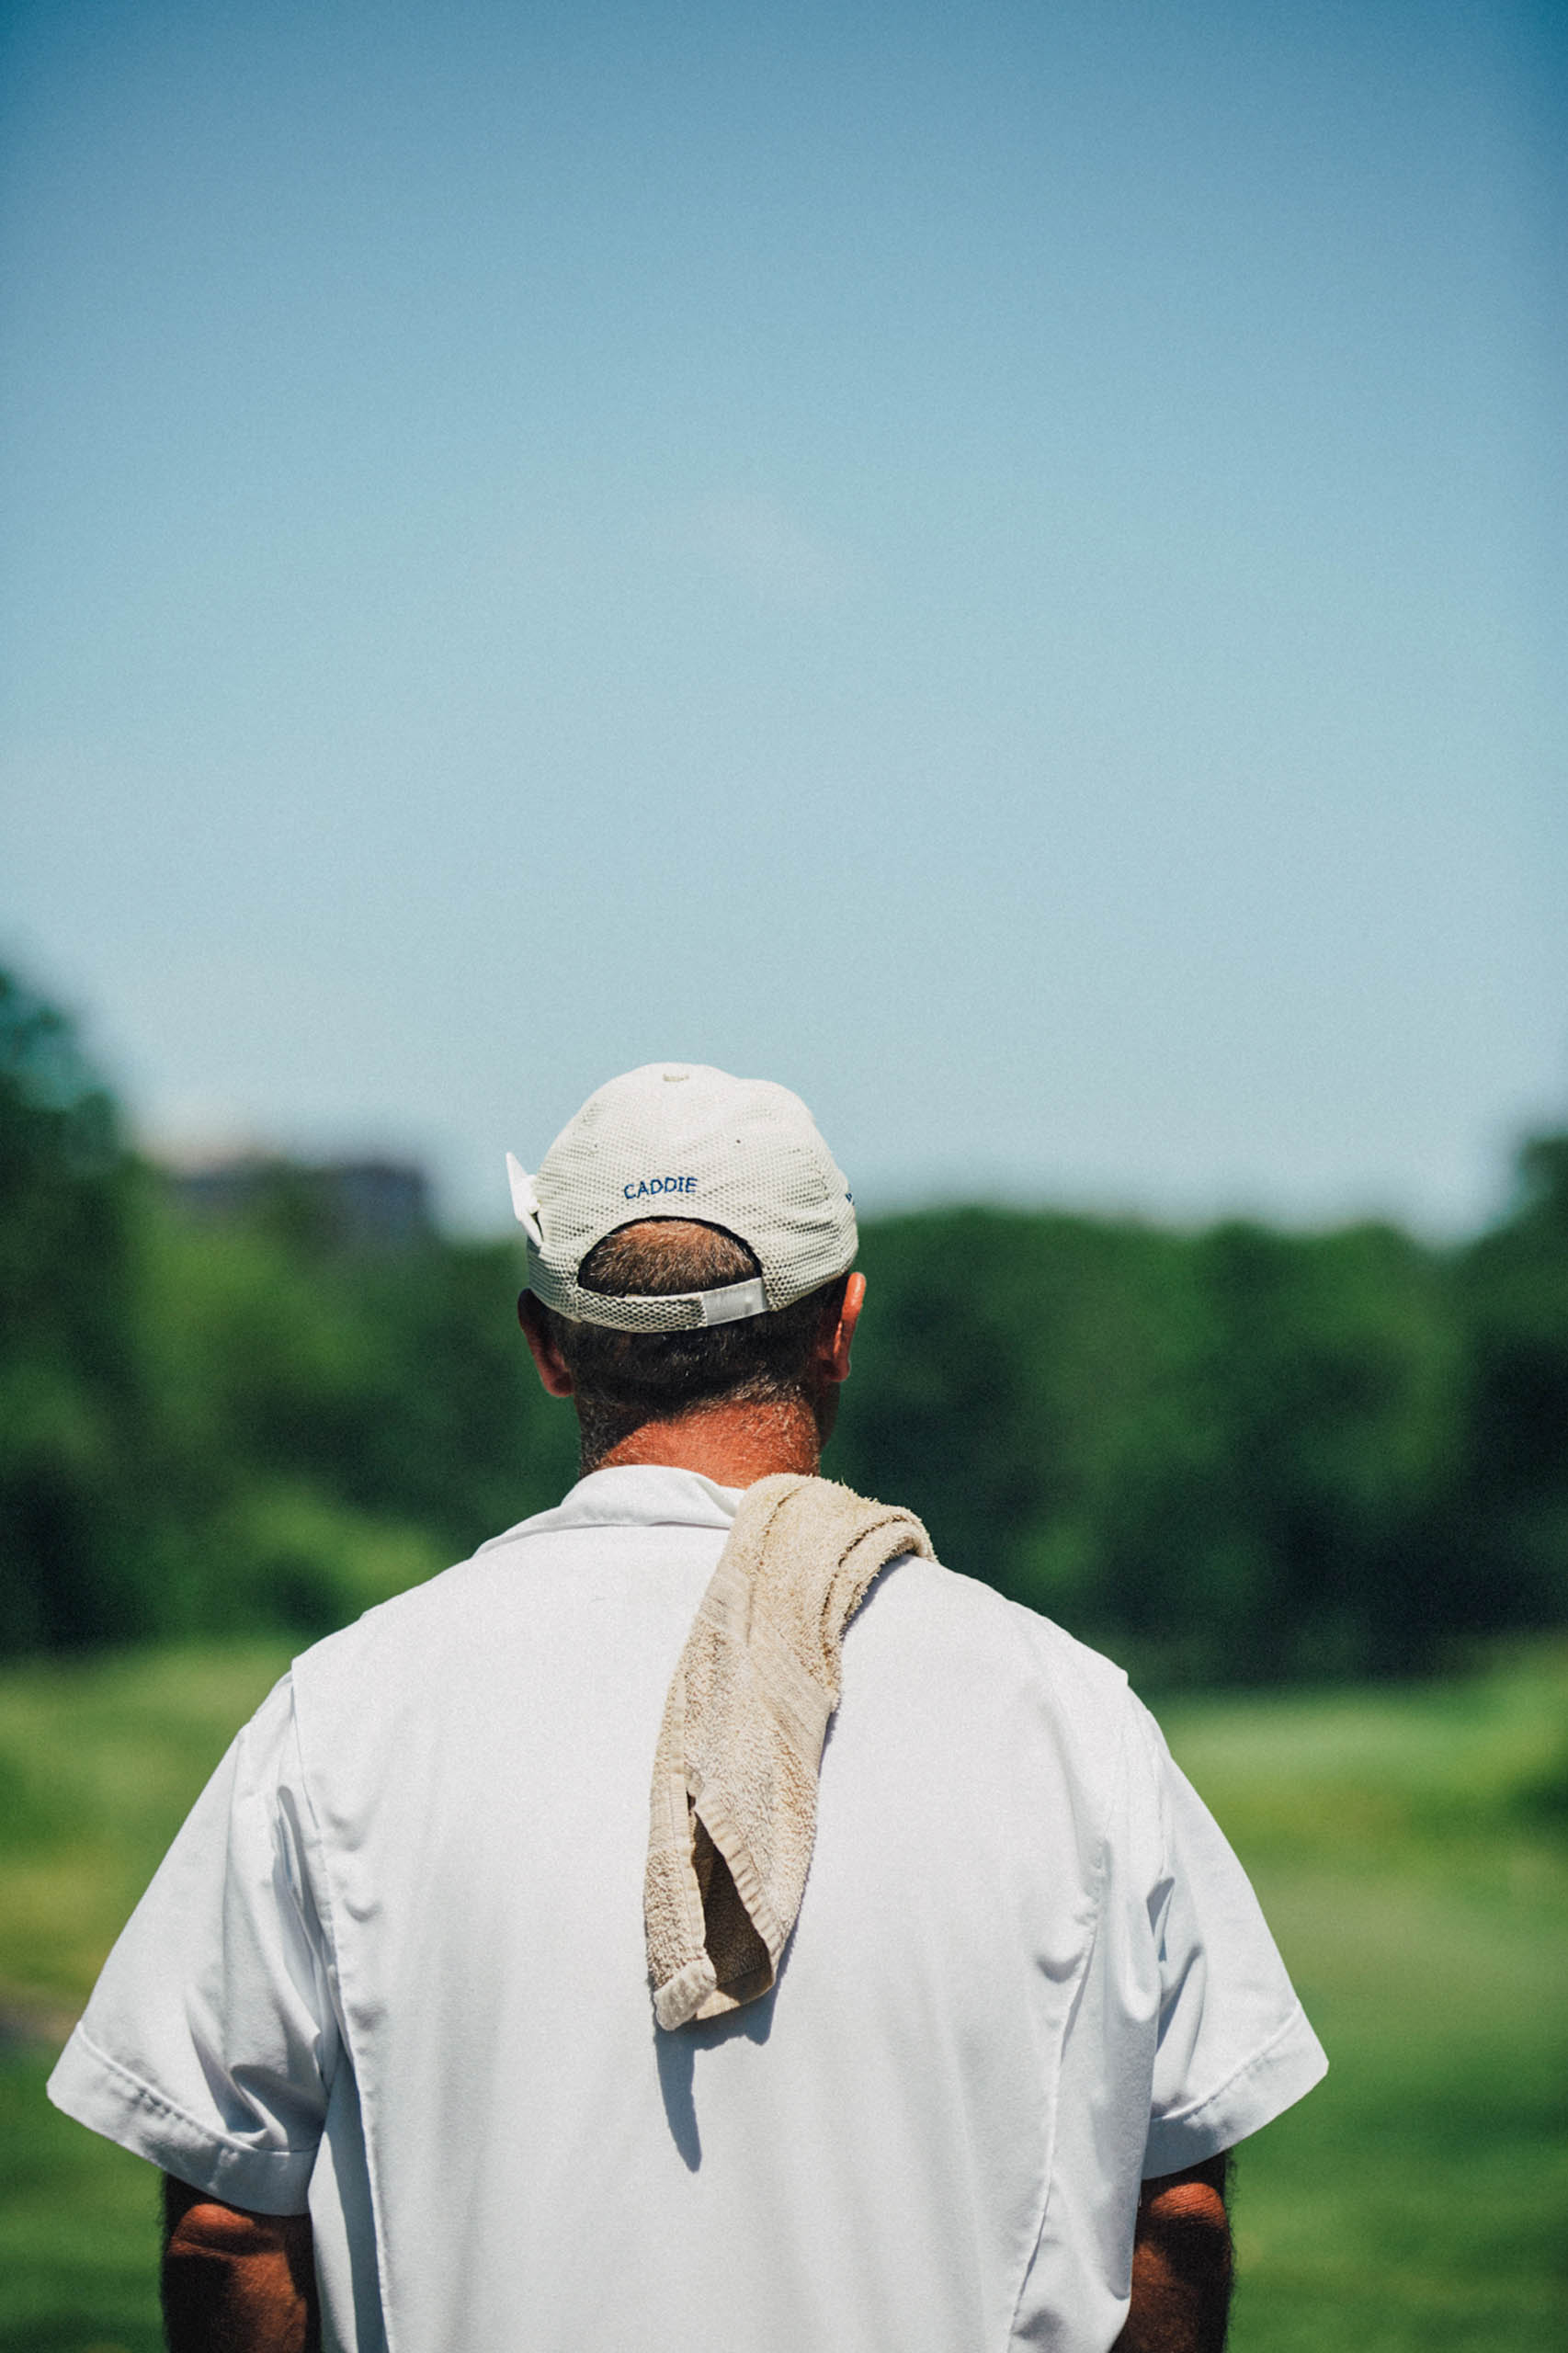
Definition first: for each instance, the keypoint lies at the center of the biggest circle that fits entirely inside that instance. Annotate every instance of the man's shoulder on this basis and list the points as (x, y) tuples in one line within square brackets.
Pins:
[(966, 1604), (955, 1628), (405, 1626), (536, 1586)]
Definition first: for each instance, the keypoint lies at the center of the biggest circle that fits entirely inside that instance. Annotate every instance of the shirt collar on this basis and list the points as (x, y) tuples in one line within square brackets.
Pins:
[(635, 1495)]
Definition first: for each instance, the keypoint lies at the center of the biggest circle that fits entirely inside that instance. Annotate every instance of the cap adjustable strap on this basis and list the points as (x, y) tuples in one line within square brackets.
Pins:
[(736, 1301), (640, 1311)]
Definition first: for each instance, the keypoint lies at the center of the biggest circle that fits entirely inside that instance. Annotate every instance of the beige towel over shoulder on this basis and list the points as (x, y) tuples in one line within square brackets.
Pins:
[(734, 1804)]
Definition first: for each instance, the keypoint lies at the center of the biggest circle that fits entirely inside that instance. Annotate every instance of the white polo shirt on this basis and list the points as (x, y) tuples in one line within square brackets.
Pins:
[(393, 1969)]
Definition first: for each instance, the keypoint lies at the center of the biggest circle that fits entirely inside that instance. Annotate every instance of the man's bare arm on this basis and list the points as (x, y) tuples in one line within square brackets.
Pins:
[(1181, 2263), (235, 2282)]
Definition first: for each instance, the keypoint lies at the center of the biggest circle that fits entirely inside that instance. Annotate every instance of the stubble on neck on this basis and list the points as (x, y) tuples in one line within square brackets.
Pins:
[(732, 1441)]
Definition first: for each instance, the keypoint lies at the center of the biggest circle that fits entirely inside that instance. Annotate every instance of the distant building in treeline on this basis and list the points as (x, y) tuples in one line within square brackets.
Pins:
[(344, 1204)]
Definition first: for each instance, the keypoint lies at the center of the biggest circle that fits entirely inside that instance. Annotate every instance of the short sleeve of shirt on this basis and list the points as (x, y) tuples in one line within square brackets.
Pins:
[(210, 2043), (1233, 2046)]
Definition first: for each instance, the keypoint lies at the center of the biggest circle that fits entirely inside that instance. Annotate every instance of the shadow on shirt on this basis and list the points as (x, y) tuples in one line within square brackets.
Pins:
[(675, 2057)]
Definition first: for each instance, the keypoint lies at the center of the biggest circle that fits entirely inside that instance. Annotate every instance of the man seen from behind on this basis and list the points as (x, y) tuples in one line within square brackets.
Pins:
[(700, 1921)]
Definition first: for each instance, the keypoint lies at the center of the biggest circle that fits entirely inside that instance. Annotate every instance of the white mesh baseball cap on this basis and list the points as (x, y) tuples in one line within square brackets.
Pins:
[(679, 1140)]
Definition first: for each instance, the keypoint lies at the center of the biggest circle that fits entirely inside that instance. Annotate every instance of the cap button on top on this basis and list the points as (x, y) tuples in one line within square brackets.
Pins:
[(671, 1075)]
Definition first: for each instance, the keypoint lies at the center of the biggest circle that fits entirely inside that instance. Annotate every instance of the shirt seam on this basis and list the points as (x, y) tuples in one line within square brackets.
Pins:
[(148, 2094), (1256, 2059), (320, 1889), (1091, 1932), (326, 1912), (523, 1533)]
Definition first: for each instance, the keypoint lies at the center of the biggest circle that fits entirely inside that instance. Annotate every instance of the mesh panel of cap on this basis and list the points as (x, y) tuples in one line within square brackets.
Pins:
[(681, 1140)]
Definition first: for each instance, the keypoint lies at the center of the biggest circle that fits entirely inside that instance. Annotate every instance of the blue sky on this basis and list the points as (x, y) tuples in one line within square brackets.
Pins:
[(1001, 568)]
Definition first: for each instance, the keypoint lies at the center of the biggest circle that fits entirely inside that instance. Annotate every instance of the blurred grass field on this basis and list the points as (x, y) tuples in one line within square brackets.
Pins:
[(1409, 1846)]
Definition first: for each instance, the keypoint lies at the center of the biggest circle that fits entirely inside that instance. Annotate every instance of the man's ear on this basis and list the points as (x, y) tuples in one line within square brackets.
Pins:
[(551, 1365), (835, 1353)]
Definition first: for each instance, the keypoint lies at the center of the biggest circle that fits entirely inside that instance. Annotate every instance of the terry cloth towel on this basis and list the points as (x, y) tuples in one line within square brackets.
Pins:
[(735, 1805)]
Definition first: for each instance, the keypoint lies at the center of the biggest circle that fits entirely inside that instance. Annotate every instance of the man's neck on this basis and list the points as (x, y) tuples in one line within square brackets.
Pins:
[(733, 1445)]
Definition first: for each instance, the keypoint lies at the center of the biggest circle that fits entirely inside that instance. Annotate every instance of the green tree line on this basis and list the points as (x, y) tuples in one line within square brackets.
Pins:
[(1230, 1455)]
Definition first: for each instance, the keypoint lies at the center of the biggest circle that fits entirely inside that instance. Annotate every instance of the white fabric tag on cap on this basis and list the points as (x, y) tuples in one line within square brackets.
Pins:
[(525, 1200)]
